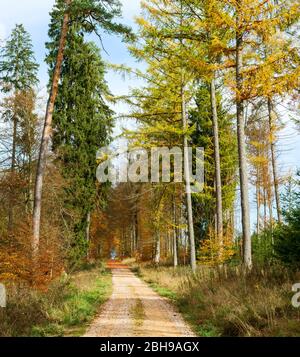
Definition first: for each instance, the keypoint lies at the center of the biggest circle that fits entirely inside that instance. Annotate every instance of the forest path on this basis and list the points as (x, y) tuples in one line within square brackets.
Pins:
[(134, 309)]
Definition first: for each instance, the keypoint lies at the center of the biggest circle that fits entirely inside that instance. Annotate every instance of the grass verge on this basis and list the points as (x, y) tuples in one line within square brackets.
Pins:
[(229, 303), (64, 310)]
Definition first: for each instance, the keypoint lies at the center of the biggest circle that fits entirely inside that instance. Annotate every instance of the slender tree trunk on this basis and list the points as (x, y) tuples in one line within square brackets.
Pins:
[(133, 240), (274, 163), (188, 185), (270, 203), (87, 232), (30, 190), (133, 236), (265, 209), (218, 181), (47, 135), (13, 169), (257, 203), (136, 232), (175, 250), (169, 246), (157, 250), (14, 144), (29, 193), (247, 254)]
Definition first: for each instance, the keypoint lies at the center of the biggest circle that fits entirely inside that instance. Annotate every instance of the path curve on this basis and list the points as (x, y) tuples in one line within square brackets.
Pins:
[(135, 310)]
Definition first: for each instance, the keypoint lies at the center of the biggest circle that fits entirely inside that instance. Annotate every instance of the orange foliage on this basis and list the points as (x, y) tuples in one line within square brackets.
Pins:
[(212, 253)]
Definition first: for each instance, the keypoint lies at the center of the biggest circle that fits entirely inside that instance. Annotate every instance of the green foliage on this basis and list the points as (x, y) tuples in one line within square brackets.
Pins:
[(263, 249), (204, 202), (19, 126), (88, 16), (92, 14), (63, 309), (287, 240), (281, 242), (82, 124), (163, 291), (287, 235), (18, 69)]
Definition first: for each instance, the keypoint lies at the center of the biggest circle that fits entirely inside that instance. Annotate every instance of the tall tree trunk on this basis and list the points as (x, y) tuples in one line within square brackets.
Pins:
[(270, 204), (218, 181), (47, 134), (247, 253), (133, 240), (175, 250), (30, 190), (87, 232), (13, 169), (257, 203), (157, 249), (188, 184), (273, 160), (136, 232), (265, 209)]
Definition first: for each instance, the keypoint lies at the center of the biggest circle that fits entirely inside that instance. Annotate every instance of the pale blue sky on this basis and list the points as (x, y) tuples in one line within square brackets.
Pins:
[(34, 14)]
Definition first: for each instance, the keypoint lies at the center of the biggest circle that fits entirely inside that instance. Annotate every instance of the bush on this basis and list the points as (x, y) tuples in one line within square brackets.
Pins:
[(262, 247), (67, 303), (287, 240)]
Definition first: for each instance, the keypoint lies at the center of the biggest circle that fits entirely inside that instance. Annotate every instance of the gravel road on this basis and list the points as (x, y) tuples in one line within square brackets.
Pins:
[(135, 310)]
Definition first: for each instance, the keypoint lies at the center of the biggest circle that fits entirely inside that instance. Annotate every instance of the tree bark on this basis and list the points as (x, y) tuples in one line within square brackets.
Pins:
[(219, 203), (47, 134), (13, 169), (257, 203), (30, 188), (188, 184), (175, 250), (87, 231), (274, 163), (157, 250), (247, 253)]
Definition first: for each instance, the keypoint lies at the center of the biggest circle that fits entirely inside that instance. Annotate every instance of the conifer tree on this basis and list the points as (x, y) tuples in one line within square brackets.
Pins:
[(164, 55), (82, 123), (205, 202), (18, 77), (92, 16)]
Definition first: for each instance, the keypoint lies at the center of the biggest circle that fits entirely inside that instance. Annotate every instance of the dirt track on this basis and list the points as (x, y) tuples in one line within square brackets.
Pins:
[(134, 309)]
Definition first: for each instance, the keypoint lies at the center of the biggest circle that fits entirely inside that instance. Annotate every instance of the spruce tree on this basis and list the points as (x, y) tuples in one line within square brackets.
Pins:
[(82, 123), (18, 68), (91, 16), (18, 76)]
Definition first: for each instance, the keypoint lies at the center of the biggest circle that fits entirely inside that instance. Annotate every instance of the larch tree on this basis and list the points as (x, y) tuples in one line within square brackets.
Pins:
[(256, 22), (204, 203), (206, 37), (164, 54), (282, 57)]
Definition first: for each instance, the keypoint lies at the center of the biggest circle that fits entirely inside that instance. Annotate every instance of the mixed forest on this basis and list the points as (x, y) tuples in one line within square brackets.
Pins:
[(223, 75)]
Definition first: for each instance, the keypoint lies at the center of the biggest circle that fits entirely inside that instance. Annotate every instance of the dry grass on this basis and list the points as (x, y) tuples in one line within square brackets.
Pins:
[(227, 302), (64, 309)]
